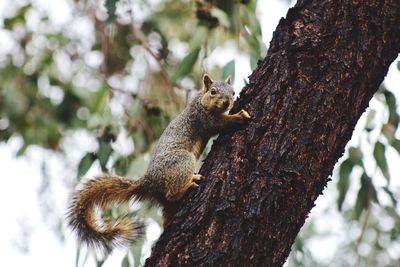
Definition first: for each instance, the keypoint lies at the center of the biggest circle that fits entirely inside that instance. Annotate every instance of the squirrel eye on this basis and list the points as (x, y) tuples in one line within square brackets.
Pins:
[(213, 91)]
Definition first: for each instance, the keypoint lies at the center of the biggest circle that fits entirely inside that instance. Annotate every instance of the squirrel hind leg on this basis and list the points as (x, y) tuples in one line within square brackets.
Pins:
[(179, 168)]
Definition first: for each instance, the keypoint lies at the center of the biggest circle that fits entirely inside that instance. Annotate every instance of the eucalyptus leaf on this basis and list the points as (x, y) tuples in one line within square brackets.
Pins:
[(99, 263), (104, 153), (391, 195), (252, 41), (186, 65), (362, 201), (391, 103), (137, 254), (252, 22), (388, 131), (111, 6), (379, 155), (99, 98), (355, 156), (229, 69), (138, 166), (9, 23), (396, 145), (221, 16), (344, 181), (125, 261), (370, 117), (85, 164), (254, 58), (199, 38)]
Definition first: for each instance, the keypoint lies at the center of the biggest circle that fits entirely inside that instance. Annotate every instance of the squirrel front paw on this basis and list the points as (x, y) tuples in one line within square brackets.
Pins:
[(244, 114)]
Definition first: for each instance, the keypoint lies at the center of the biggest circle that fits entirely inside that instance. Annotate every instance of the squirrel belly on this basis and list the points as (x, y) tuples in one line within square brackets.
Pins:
[(100, 193)]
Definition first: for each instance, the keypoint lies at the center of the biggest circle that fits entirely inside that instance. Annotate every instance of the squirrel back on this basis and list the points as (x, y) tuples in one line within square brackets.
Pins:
[(171, 171)]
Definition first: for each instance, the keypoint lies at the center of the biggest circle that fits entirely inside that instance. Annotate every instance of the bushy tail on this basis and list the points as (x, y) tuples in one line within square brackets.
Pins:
[(100, 193)]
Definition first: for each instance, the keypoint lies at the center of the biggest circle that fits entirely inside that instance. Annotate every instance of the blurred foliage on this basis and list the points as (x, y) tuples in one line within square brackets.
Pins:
[(124, 69), (119, 71)]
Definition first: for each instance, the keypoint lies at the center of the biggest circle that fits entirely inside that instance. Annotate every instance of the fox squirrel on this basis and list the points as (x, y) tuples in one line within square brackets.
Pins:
[(170, 174)]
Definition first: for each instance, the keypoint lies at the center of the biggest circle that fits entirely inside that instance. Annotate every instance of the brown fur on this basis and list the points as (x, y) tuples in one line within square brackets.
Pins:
[(170, 174), (100, 193)]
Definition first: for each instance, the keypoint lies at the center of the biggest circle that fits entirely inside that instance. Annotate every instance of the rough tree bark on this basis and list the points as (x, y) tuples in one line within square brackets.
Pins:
[(325, 61)]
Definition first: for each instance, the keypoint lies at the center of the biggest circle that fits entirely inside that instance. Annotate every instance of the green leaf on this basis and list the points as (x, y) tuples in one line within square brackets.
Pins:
[(99, 99), (134, 108), (99, 263), (396, 145), (252, 22), (22, 150), (137, 254), (234, 16), (391, 195), (379, 155), (252, 41), (388, 131), (229, 69), (125, 261), (362, 196), (85, 164), (59, 38), (104, 153), (370, 118), (111, 6), (373, 194), (344, 181), (138, 166), (186, 65), (299, 245), (18, 18), (254, 58), (221, 16), (391, 102), (392, 212), (199, 38), (355, 156)]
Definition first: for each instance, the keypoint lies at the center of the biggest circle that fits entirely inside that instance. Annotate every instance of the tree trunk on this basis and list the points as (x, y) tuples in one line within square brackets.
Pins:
[(325, 61)]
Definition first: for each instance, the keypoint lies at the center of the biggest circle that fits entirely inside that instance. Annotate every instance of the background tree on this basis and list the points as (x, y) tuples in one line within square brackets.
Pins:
[(118, 75)]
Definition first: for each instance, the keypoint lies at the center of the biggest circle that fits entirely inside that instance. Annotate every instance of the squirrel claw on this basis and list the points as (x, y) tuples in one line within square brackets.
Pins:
[(194, 185), (197, 177), (244, 114)]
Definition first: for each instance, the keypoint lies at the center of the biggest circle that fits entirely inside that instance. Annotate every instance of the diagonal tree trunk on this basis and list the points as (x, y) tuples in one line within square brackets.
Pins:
[(325, 61)]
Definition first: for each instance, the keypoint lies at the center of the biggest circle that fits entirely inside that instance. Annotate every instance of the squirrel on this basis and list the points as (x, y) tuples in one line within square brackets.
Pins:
[(171, 171)]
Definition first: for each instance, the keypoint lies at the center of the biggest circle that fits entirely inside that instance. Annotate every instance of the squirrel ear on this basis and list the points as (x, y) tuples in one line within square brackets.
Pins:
[(228, 80), (207, 81)]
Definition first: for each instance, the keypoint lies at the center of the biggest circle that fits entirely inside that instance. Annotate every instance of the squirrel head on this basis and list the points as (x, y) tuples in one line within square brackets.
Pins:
[(217, 96)]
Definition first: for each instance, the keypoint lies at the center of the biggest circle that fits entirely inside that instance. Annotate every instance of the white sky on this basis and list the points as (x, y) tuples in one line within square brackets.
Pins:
[(22, 177)]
